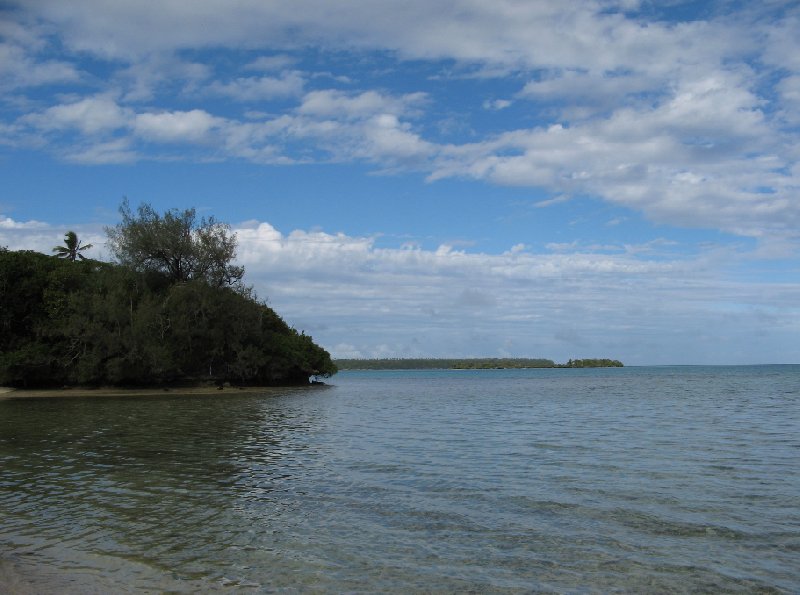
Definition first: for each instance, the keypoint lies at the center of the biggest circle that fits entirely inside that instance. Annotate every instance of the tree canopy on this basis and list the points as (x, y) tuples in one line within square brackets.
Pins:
[(176, 244), (172, 310), (94, 323), (72, 248)]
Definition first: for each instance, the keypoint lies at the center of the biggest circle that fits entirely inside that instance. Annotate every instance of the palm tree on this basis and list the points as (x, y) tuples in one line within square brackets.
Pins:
[(72, 247)]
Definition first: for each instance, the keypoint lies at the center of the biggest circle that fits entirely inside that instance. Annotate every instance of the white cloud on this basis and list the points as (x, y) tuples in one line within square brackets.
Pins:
[(783, 46), (360, 299), (42, 237), (178, 126), (510, 33), (706, 155), (789, 89), (334, 104), (344, 125), (497, 104), (580, 94), (104, 152), (364, 126), (679, 120), (389, 139), (289, 84), (150, 77), (18, 69), (7, 223), (22, 63), (93, 115), (638, 304)]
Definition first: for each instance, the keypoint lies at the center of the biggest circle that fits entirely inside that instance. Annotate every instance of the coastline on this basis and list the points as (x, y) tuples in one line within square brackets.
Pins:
[(84, 392)]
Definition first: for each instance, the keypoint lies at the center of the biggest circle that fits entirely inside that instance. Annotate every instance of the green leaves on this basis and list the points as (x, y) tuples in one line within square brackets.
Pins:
[(94, 323), (72, 248), (174, 311), (176, 244)]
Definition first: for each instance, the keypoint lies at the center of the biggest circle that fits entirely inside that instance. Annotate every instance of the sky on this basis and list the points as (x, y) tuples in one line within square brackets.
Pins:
[(436, 178)]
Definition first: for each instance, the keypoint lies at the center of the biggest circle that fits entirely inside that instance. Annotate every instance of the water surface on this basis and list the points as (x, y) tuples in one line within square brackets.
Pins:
[(662, 479)]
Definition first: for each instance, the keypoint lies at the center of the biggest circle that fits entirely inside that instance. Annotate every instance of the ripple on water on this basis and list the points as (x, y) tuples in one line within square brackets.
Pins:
[(632, 480)]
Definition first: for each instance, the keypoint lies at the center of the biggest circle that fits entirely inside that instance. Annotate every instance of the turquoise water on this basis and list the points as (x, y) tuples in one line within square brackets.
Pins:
[(682, 479)]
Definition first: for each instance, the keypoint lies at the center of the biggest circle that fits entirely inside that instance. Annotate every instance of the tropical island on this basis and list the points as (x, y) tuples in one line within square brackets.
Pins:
[(172, 310), (469, 363)]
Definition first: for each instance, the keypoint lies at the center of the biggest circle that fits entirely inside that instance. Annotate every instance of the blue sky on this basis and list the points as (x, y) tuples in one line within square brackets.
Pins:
[(603, 178)]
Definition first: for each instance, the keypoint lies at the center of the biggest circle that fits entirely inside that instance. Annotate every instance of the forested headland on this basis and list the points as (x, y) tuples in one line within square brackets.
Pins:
[(171, 310), (469, 363)]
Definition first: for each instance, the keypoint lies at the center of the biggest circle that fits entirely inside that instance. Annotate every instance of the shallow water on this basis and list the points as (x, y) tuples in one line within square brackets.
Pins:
[(661, 479)]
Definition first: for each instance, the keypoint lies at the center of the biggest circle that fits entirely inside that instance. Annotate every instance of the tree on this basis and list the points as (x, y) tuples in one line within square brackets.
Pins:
[(98, 323), (72, 248), (176, 244)]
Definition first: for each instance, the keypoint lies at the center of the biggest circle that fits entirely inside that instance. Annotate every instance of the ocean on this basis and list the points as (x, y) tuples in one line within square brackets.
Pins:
[(622, 480)]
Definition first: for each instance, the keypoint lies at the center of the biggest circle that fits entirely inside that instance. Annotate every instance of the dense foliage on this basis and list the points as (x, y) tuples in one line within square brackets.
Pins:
[(176, 244), (467, 364), (85, 322)]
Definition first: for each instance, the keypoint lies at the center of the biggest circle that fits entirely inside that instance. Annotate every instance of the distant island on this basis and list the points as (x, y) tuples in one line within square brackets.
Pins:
[(172, 310), (469, 363)]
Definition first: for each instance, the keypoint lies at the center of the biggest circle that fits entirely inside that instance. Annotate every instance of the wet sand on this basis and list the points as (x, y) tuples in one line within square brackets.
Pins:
[(12, 581)]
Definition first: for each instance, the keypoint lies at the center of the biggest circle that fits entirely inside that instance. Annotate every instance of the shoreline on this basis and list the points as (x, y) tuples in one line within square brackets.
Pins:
[(84, 392)]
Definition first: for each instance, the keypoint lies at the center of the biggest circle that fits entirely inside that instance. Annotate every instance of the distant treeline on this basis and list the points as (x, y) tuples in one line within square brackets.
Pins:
[(468, 364), (591, 363)]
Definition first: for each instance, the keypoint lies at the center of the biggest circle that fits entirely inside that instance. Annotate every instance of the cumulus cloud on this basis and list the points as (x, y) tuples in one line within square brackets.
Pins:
[(23, 62), (567, 300), (288, 84), (9, 224), (179, 126), (19, 70), (789, 89), (593, 34), (363, 126), (92, 115), (705, 155), (104, 152), (635, 303), (154, 75), (42, 237), (497, 104), (416, 28), (691, 122), (782, 46), (387, 138), (342, 125), (331, 103)]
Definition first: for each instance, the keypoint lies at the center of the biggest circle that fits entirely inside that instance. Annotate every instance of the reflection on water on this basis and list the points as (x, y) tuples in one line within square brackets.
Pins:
[(162, 483), (658, 479)]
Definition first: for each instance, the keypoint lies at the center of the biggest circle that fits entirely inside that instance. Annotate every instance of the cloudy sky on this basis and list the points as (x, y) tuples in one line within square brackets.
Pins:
[(593, 178)]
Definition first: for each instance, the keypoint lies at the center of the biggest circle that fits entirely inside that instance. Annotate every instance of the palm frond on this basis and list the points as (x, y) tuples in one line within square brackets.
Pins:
[(72, 247)]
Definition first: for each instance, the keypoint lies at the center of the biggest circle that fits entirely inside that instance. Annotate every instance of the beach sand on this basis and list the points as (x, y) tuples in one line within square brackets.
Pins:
[(12, 581)]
